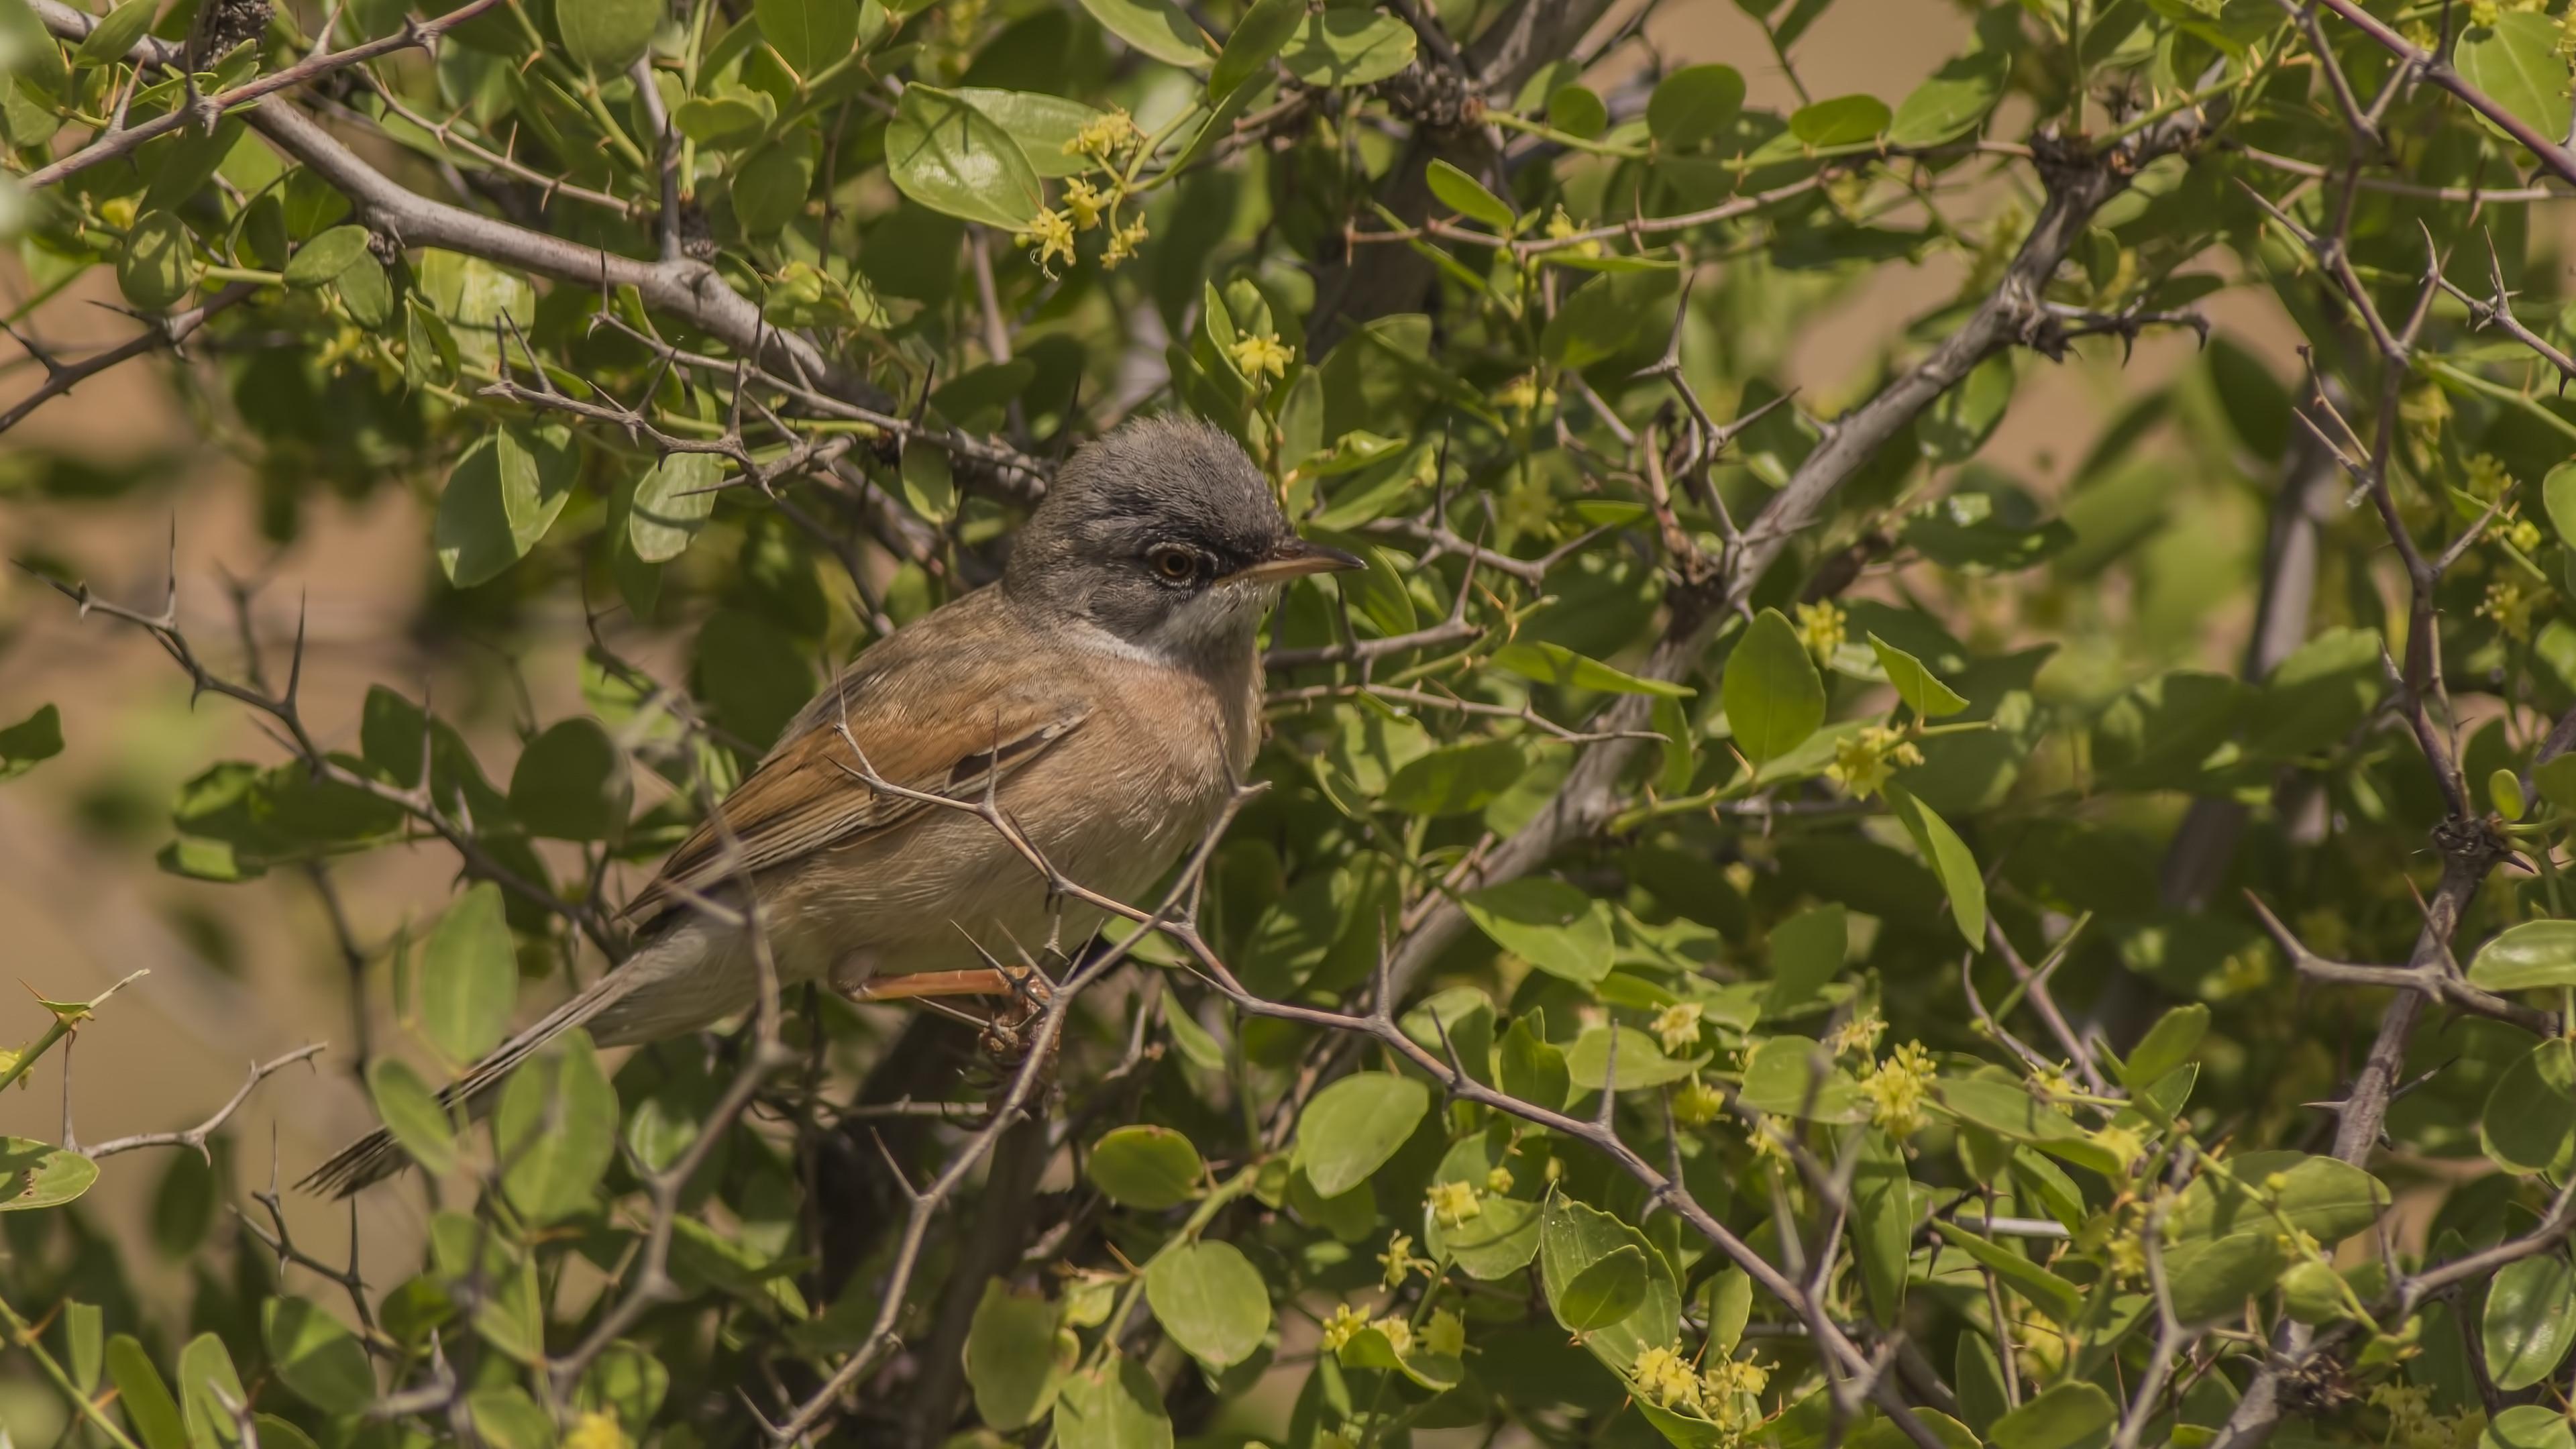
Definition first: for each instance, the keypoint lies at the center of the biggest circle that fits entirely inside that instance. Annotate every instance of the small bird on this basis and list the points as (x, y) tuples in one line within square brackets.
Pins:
[(1107, 691)]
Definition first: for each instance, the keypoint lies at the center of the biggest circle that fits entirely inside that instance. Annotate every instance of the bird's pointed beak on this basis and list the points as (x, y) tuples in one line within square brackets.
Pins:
[(1294, 559)]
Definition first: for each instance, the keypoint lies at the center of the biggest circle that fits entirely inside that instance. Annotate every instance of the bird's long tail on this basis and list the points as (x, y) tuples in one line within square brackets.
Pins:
[(674, 961)]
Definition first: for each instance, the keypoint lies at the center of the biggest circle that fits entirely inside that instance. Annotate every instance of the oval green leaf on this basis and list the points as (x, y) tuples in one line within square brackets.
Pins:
[(1257, 37), (1693, 104), (1015, 1358), (1841, 121), (606, 36), (1922, 690), (1146, 1167), (2530, 1320), (571, 783), (1042, 124), (1606, 1291), (1155, 27), (1578, 112), (808, 34), (469, 977), (40, 1175), (1353, 1126), (1348, 46), (672, 501), (411, 1112), (1774, 698), (158, 263), (2517, 63), (556, 1130), (2529, 1124), (2536, 955), (1210, 1299), (320, 1360), (952, 158), (1548, 923), (1467, 196)]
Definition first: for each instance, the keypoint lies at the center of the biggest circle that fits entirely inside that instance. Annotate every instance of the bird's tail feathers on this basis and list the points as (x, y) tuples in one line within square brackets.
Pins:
[(373, 1158)]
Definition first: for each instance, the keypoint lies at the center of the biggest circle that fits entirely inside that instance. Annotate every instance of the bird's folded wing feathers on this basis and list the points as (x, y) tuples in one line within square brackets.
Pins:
[(812, 793)]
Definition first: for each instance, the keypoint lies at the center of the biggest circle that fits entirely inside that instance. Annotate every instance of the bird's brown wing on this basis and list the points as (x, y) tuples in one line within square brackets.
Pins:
[(940, 727)]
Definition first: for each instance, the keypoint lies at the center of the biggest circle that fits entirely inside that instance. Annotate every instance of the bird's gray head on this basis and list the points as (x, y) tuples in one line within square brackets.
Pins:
[(1166, 537)]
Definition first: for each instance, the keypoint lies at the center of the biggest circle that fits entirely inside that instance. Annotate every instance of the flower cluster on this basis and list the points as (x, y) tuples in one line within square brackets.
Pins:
[(1343, 1326), (1399, 1262), (1256, 356), (1669, 1380), (596, 1430), (1677, 1026), (1696, 1103), (1857, 1036), (1865, 761), (1050, 234), (2510, 605), (1897, 1088), (1453, 1203), (1820, 628), (1446, 1333)]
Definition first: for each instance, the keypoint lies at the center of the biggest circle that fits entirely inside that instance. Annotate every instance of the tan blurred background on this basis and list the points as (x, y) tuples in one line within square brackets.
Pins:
[(247, 972)]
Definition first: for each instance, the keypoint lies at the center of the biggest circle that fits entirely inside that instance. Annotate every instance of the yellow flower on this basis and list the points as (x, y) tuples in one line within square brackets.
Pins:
[(1863, 762), (595, 1431), (1697, 1103), (1523, 393), (1666, 1377), (1399, 1334), (2121, 1143), (1820, 628), (2488, 477), (2128, 1257), (1254, 356), (1678, 1027), (1446, 1333), (1399, 1261), (1561, 226), (2524, 535), (1338, 1329), (1104, 134), (1051, 232), (1086, 202), (1498, 1181), (1858, 1036), (2482, 12), (1896, 1089), (1729, 1387), (1453, 1203), (1123, 243), (2511, 606)]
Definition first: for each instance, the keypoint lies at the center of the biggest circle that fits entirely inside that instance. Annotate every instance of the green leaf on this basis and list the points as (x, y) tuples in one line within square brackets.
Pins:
[(770, 185), (606, 36), (2008, 1110), (502, 496), (571, 783), (672, 501), (1922, 691), (2226, 1242), (1155, 27), (1572, 1238), (1607, 315), (1531, 1069), (1555, 664), (1116, 1406), (1950, 860), (36, 738), (2528, 1426), (2317, 696), (1042, 124), (2558, 496), (724, 122), (2536, 955), (1882, 1223), (1793, 1076), (929, 488), (115, 34), (1607, 1290), (1346, 46), (556, 1130), (2166, 1047), (1962, 418), (142, 1394), (158, 263), (365, 294), (1578, 112), (321, 260), (1146, 1167), (1494, 1244), (2068, 1416), (323, 1362), (1841, 121), (1210, 1299), (1352, 1127), (1694, 103), (411, 1112), (1455, 779), (207, 1378), (2529, 1124), (1640, 1063), (808, 34), (469, 977), (2517, 63), (1457, 1021), (1257, 37), (2047, 1292), (2530, 1320), (1548, 923), (1807, 951), (1016, 1360), (1952, 102), (946, 154), (1774, 698), (40, 1175), (505, 1417), (1467, 196)]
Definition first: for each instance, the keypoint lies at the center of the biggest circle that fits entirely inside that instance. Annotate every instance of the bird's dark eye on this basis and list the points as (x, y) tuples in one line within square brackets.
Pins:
[(1173, 564)]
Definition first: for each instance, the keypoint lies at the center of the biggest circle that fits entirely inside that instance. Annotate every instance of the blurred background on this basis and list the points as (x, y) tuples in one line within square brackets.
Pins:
[(105, 484)]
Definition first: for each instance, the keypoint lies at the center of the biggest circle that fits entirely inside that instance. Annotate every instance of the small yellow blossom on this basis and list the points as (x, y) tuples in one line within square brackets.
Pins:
[(1730, 1387), (1523, 393), (2483, 12), (1123, 244), (1399, 1334), (1865, 761), (595, 1431), (1446, 1333), (1255, 356), (1696, 1103), (1399, 1262), (1560, 226), (1453, 1203), (2128, 1257), (1766, 1144), (1102, 135), (1339, 1328), (1677, 1026), (1086, 202), (1666, 1377), (2426, 409), (1858, 1036), (1051, 232), (2511, 606), (1820, 628), (2489, 477), (1896, 1089), (1498, 1182), (2121, 1143)]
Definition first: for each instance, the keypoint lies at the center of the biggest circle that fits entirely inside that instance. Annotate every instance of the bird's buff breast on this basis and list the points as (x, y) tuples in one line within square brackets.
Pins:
[(1111, 808)]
